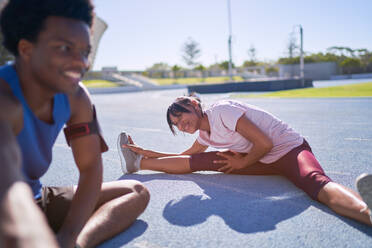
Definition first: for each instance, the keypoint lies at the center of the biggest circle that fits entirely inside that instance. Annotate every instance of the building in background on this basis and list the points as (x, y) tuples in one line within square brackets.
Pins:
[(99, 27)]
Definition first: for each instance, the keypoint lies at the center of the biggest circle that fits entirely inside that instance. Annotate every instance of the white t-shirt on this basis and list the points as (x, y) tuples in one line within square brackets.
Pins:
[(223, 117)]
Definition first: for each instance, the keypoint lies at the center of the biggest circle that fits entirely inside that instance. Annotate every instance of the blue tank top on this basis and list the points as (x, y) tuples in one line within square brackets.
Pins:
[(37, 137)]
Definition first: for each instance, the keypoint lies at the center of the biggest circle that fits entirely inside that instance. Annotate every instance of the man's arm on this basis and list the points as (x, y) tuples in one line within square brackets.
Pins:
[(87, 155), (19, 215)]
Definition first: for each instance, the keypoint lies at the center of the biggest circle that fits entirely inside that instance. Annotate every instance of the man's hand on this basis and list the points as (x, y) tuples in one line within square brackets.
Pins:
[(22, 223), (64, 241)]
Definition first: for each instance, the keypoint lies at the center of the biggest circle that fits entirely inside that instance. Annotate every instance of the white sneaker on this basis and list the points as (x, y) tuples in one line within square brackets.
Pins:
[(364, 185), (130, 161)]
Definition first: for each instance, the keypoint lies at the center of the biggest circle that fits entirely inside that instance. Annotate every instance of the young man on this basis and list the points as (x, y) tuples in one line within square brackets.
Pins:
[(39, 94)]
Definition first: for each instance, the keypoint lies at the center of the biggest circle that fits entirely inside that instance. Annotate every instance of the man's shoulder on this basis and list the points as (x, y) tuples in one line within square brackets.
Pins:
[(80, 97), (80, 104), (11, 107), (4, 86), (7, 98)]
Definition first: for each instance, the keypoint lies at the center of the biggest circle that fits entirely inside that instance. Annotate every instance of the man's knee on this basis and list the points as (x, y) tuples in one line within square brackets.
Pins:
[(143, 192), (140, 191)]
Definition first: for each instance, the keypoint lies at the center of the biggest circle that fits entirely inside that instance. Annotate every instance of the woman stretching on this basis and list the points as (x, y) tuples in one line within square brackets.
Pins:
[(256, 143)]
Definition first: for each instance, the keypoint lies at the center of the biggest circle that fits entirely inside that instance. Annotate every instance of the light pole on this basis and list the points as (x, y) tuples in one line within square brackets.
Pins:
[(229, 40), (302, 65)]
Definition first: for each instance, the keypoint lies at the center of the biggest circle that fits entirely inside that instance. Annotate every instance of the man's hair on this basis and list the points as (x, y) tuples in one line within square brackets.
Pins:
[(24, 19)]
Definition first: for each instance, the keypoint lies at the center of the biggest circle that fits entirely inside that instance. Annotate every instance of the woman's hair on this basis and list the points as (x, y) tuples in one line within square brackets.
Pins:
[(24, 19), (179, 106)]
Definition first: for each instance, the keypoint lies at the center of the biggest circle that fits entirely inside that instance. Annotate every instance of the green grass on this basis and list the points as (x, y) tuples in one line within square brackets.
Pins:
[(350, 90), (99, 83), (194, 80)]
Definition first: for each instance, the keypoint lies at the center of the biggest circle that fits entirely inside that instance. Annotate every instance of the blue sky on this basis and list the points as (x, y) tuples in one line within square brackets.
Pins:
[(143, 32)]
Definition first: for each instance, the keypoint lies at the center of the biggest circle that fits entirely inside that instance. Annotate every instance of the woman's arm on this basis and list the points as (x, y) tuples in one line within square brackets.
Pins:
[(261, 145), (195, 148)]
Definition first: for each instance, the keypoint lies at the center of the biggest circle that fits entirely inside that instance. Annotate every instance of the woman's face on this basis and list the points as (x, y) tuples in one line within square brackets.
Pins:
[(187, 122)]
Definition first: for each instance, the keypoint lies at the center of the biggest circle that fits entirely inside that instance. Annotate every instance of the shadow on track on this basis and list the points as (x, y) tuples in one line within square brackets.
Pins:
[(246, 206), (136, 230)]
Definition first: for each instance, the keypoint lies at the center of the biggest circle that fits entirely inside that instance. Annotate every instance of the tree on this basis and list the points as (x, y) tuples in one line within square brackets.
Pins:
[(341, 51), (271, 69), (191, 52), (158, 70), (225, 65), (252, 55), (252, 58), (214, 67), (201, 68), (248, 63), (313, 58), (289, 61), (175, 69), (159, 67), (5, 55), (351, 65), (292, 45), (369, 64), (365, 58)]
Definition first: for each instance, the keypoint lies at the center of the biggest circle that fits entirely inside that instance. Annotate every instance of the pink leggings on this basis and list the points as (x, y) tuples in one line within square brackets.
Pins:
[(299, 166)]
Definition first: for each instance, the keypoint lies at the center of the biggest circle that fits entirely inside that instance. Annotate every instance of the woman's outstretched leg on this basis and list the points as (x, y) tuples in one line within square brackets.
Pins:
[(198, 162), (182, 164), (173, 165)]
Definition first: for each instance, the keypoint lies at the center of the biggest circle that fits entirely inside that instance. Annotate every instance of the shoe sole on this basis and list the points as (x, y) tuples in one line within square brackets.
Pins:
[(364, 185), (121, 156), (124, 166)]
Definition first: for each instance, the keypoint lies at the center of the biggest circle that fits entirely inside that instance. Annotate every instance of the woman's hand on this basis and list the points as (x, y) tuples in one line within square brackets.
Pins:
[(137, 149), (232, 161)]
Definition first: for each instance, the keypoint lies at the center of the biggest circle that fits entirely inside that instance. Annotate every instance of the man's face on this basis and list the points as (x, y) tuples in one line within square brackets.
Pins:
[(59, 57)]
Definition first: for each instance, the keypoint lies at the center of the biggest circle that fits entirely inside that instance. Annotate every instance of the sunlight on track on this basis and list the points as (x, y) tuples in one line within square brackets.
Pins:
[(357, 139), (287, 195)]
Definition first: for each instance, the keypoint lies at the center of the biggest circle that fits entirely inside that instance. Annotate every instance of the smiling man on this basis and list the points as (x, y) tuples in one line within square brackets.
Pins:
[(40, 94)]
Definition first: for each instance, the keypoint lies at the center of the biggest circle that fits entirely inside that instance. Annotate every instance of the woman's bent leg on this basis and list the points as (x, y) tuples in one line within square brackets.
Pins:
[(340, 199), (302, 168), (345, 202)]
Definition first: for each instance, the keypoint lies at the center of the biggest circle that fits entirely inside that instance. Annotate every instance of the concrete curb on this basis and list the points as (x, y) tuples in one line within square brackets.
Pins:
[(127, 89), (251, 86)]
